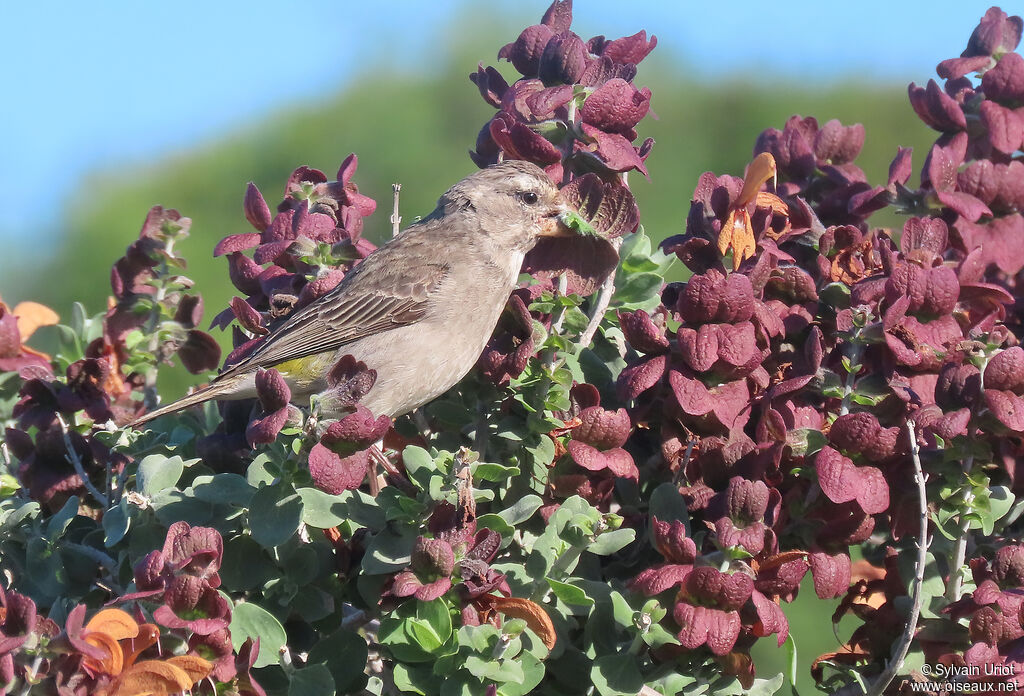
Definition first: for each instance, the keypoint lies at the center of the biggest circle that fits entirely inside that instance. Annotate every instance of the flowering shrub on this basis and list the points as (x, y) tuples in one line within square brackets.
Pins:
[(628, 490)]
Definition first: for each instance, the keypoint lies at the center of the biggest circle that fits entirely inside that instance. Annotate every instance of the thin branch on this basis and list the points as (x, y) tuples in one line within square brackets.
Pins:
[(900, 651), (76, 462), (956, 576), (604, 298), (396, 219)]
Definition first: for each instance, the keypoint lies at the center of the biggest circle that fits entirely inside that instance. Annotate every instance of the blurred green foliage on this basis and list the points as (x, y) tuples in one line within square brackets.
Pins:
[(415, 129)]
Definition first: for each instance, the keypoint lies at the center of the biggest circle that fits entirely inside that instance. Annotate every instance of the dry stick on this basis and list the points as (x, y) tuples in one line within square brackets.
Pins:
[(396, 219), (900, 652), (76, 462)]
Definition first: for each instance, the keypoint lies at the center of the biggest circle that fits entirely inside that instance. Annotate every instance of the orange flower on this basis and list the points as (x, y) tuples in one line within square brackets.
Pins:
[(737, 231), (115, 633), (16, 326), (517, 608)]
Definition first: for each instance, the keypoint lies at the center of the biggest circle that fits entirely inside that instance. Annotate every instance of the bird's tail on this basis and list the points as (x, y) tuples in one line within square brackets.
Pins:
[(217, 390)]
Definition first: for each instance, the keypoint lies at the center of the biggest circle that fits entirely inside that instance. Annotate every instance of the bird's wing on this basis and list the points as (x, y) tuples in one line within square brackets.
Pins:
[(375, 297)]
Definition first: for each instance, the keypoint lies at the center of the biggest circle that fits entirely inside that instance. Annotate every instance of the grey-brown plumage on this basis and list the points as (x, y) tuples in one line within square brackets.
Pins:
[(419, 309)]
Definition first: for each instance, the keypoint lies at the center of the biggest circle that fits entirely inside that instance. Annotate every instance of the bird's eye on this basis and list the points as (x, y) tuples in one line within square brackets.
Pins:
[(528, 197)]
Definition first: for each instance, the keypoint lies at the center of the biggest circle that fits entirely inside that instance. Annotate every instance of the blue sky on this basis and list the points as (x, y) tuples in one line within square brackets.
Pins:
[(93, 86)]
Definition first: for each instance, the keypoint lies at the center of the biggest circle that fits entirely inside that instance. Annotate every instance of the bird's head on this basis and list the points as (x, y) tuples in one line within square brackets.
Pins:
[(515, 202)]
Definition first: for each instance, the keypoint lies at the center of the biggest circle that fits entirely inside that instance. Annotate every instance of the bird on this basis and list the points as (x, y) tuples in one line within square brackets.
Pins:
[(418, 310)]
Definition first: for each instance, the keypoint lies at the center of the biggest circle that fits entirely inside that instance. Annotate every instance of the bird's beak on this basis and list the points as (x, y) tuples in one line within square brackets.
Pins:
[(553, 222)]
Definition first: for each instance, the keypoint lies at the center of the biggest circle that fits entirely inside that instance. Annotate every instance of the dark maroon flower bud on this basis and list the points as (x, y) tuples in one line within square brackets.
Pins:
[(841, 481), (781, 579), (333, 474), (200, 352), (272, 390), (608, 206), (728, 402), (526, 51), (636, 379), (860, 433), (727, 591), (349, 381), (189, 311), (746, 501), (924, 234), (642, 333), (1005, 82), (235, 243), (986, 625), (791, 147), (654, 581), (671, 541), (1006, 370), (149, 571), (628, 49), (1004, 126), (831, 574), (491, 84), (936, 108), (958, 385), (18, 621), (838, 144), (616, 107), (558, 16), (603, 429), (715, 297), (563, 61), (519, 141), (432, 558), (617, 461), (997, 33), (615, 152), (1008, 566), (600, 70), (355, 431), (933, 291), (901, 166), (244, 273), (194, 550), (791, 284), (257, 212)]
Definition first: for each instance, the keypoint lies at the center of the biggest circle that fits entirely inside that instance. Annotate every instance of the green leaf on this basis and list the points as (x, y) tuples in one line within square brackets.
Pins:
[(533, 674), (116, 523), (58, 524), (322, 510), (250, 620), (638, 288), (621, 610), (669, 505), (423, 634), (497, 523), (157, 473), (791, 660), (570, 594), (275, 515), (436, 614), (522, 509), (315, 680), (497, 671), (610, 542), (224, 488), (488, 471), (766, 687), (416, 458), (480, 638), (616, 675), (657, 635), (388, 552)]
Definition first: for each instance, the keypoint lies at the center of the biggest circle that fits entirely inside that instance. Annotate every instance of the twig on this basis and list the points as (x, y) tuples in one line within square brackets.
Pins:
[(900, 651), (681, 471), (556, 322), (76, 462), (604, 298), (953, 589), (396, 219)]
